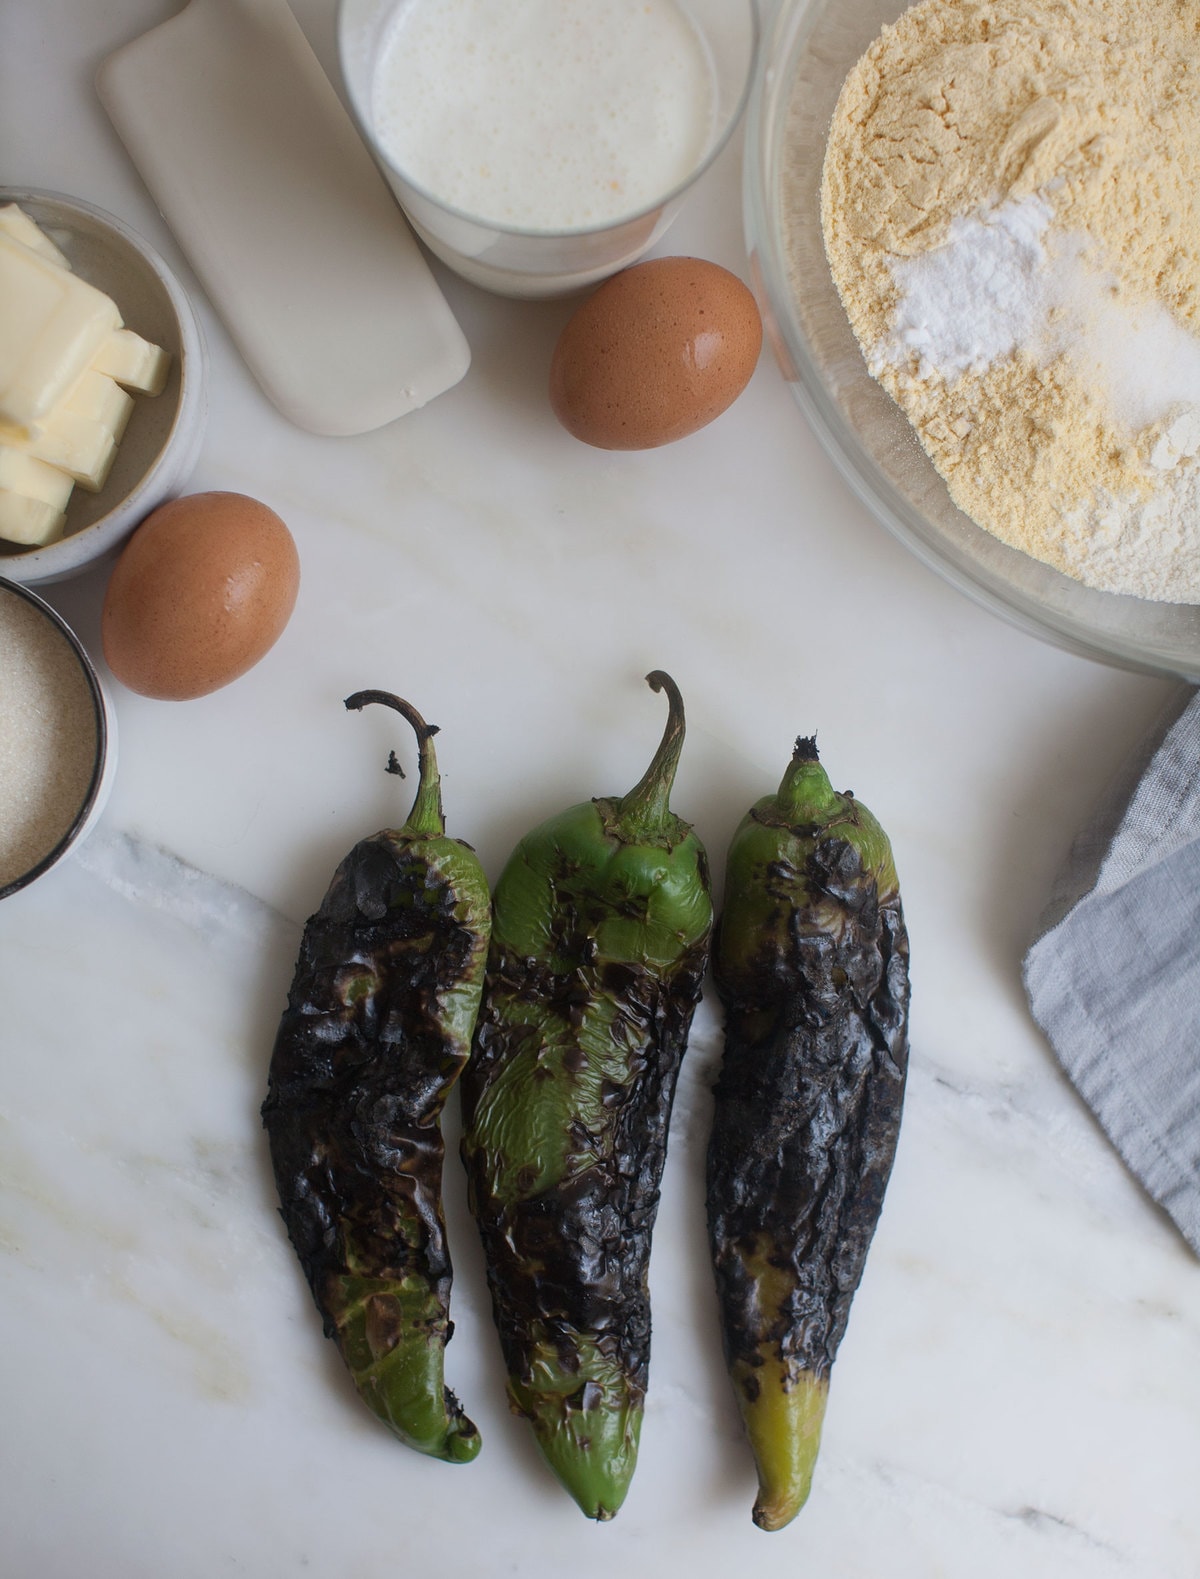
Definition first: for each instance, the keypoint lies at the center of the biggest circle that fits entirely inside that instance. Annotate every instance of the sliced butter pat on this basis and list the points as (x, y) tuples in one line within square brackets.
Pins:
[(52, 323), (101, 399), (80, 446), (29, 233), (29, 521), (23, 474), (134, 362)]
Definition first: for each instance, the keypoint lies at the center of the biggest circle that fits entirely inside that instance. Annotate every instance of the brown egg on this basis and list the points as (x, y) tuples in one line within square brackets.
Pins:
[(658, 351), (201, 592)]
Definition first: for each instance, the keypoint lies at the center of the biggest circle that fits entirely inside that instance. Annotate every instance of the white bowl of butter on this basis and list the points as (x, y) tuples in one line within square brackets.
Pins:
[(103, 378)]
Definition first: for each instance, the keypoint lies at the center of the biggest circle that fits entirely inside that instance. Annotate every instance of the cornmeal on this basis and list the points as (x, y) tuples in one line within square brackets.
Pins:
[(1027, 172)]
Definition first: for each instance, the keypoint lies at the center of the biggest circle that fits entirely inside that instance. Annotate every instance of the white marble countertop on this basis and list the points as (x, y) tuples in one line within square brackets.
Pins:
[(1019, 1389)]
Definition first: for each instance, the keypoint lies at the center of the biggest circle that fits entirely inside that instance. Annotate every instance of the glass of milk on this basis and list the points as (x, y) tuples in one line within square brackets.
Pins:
[(540, 145)]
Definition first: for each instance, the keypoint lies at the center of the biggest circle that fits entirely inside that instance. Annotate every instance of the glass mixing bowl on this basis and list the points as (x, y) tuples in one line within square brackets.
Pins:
[(809, 47)]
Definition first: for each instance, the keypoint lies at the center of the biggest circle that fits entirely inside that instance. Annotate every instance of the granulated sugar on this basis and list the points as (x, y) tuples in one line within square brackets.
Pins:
[(48, 736)]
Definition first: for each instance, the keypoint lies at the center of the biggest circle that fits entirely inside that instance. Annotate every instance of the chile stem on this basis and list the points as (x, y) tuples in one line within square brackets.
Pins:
[(426, 817), (805, 794), (646, 810)]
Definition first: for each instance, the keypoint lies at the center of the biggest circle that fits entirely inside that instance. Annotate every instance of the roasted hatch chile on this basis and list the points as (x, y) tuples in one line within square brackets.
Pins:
[(601, 925), (811, 964), (376, 1031)]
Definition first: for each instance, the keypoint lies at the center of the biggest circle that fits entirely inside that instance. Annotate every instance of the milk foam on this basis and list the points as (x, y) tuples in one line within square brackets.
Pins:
[(544, 114)]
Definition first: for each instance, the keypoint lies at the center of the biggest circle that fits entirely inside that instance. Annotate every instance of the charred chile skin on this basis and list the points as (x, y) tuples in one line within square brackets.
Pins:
[(600, 937), (810, 961), (377, 1029)]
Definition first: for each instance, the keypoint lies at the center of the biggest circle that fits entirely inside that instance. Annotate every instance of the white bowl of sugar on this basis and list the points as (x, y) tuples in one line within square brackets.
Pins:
[(57, 739)]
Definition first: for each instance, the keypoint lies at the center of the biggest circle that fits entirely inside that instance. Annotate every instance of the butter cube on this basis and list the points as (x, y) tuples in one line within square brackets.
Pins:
[(80, 436), (134, 362), (81, 447), (20, 227), (52, 323), (31, 522), (101, 399), (23, 474)]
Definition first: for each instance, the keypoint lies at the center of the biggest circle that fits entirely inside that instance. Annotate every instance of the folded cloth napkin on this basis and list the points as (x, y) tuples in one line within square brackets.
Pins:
[(1114, 976)]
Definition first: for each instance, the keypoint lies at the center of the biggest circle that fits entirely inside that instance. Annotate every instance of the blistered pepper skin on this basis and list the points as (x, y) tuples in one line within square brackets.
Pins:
[(376, 1032), (811, 965), (601, 928)]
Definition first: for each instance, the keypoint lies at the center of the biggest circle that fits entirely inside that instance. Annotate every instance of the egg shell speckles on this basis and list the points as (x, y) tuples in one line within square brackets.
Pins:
[(656, 353), (201, 592)]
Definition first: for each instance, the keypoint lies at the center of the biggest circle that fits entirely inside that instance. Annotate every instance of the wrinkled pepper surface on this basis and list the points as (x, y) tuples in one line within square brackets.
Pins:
[(377, 1029), (811, 964), (601, 926)]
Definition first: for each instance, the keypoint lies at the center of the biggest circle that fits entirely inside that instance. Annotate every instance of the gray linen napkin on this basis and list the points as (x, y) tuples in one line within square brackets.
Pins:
[(1114, 976)]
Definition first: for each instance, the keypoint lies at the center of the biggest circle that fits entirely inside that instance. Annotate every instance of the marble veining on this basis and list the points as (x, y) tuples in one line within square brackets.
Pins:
[(1018, 1392), (138, 1233)]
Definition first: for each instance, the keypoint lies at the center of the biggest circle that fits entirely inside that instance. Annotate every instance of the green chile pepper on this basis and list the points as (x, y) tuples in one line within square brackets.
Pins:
[(811, 965), (601, 925), (377, 1029)]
